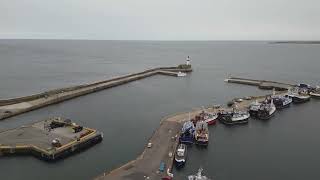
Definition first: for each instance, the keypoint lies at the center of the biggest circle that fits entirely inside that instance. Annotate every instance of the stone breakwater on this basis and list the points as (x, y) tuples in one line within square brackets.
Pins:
[(15, 106)]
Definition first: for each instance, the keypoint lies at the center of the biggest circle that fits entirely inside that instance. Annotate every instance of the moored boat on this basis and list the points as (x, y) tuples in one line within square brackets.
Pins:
[(235, 117), (299, 95), (187, 133), (300, 98), (315, 94), (181, 74), (282, 101), (254, 108), (202, 133), (198, 176), (267, 109), (209, 118), (181, 156)]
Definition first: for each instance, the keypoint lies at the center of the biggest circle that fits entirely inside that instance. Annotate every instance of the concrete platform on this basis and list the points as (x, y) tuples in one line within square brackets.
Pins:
[(37, 139)]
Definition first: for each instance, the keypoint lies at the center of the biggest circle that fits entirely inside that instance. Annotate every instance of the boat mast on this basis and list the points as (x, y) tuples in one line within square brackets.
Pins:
[(188, 60)]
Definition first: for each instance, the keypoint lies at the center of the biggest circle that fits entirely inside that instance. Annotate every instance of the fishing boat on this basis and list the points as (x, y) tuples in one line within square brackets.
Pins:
[(181, 74), (298, 98), (267, 109), (282, 101), (187, 133), (254, 108), (181, 156), (209, 118), (202, 133), (198, 176), (299, 95), (315, 93), (235, 117)]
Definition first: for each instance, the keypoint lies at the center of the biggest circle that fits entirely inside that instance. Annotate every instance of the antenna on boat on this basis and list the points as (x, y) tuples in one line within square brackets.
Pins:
[(274, 91)]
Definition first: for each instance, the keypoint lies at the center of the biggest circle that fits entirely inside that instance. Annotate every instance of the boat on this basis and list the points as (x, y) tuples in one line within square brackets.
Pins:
[(187, 133), (296, 98), (198, 176), (209, 118), (315, 93), (202, 133), (299, 95), (267, 109), (254, 108), (181, 74), (235, 117), (181, 156), (282, 101)]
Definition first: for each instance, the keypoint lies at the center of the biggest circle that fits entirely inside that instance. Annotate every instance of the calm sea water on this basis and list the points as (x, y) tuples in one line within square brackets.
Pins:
[(285, 147)]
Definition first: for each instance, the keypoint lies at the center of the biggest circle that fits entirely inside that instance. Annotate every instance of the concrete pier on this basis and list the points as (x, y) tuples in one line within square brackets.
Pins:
[(262, 84), (15, 106), (164, 143), (37, 139)]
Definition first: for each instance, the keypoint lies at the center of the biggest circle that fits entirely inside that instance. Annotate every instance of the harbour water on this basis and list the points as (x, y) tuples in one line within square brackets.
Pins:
[(283, 148)]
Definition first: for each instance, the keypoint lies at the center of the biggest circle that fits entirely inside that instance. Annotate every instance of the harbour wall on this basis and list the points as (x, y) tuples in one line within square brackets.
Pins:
[(262, 84), (59, 95)]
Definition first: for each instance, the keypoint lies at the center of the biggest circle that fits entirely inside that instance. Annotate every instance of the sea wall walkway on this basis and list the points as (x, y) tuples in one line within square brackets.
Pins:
[(15, 106), (262, 84)]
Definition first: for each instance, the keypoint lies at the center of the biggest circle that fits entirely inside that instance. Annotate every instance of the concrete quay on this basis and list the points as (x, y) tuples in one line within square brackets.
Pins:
[(15, 106), (164, 143), (37, 139), (262, 84)]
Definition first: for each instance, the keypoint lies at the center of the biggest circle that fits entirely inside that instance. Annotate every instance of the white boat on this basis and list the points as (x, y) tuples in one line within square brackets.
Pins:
[(315, 94), (254, 108), (299, 95), (181, 74), (198, 176), (267, 109), (235, 117), (181, 156)]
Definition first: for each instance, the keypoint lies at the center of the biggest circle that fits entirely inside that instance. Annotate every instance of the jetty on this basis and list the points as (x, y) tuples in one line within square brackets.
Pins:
[(262, 84), (49, 140), (15, 106), (164, 142)]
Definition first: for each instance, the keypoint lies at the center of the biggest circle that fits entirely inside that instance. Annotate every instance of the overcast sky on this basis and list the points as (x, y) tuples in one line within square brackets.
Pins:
[(161, 19)]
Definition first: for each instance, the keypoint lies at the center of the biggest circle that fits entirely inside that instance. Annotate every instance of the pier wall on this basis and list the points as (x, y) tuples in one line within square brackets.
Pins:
[(72, 88), (262, 84), (59, 95)]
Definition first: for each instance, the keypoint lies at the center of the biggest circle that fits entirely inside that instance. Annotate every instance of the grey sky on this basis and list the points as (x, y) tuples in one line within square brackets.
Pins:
[(161, 19)]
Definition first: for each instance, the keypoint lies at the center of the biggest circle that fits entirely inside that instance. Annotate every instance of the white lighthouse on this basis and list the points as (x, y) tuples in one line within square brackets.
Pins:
[(188, 61)]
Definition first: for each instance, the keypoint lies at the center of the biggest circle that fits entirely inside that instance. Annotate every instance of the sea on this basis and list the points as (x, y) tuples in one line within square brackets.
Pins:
[(284, 147)]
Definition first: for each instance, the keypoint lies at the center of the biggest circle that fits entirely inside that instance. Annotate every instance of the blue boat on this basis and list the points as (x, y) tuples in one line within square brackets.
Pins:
[(187, 133)]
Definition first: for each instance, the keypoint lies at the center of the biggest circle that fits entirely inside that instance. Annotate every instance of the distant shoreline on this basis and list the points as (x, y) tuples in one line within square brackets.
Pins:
[(295, 42)]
